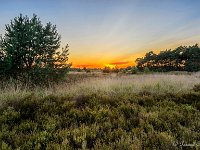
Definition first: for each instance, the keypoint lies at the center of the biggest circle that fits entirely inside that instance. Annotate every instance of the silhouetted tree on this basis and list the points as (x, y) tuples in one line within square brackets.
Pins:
[(115, 69), (30, 49), (106, 70), (182, 58), (192, 62)]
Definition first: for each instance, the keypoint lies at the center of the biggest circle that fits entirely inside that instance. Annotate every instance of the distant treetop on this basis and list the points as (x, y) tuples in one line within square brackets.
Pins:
[(183, 58)]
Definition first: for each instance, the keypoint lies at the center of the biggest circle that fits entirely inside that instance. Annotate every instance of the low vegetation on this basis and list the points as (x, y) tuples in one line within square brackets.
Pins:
[(154, 111)]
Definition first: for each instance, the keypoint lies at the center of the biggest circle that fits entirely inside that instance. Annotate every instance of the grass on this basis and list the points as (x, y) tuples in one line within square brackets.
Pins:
[(96, 111)]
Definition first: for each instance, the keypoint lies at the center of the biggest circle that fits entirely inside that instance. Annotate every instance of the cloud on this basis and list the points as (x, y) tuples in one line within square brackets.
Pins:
[(120, 63), (81, 66)]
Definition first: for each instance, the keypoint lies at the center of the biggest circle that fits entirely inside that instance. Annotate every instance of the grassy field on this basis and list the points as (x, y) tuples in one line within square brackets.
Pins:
[(101, 111)]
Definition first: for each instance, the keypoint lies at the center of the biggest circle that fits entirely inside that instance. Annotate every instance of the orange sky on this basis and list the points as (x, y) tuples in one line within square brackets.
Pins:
[(91, 63), (121, 61)]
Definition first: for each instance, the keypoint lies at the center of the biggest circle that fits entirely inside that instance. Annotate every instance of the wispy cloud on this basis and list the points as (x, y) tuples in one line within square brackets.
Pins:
[(84, 65), (120, 63)]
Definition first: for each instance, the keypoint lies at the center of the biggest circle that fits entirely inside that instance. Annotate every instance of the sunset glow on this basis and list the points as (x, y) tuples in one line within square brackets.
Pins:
[(115, 32), (110, 66)]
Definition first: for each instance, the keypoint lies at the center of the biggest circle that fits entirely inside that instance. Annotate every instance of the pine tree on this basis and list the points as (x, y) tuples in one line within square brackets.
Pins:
[(28, 47)]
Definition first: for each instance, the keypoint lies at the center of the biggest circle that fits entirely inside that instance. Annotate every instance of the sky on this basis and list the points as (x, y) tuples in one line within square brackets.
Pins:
[(112, 32)]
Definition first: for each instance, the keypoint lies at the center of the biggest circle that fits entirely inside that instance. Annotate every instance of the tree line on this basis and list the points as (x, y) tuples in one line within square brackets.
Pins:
[(182, 58)]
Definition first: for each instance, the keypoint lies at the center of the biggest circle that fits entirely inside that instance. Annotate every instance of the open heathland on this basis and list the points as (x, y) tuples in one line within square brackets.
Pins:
[(98, 111)]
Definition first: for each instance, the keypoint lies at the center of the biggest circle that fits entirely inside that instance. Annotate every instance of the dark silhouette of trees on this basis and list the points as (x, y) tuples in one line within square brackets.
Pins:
[(106, 69), (183, 58), (30, 49)]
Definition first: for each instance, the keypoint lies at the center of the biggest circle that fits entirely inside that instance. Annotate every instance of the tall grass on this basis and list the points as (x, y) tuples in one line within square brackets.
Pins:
[(111, 85), (157, 84)]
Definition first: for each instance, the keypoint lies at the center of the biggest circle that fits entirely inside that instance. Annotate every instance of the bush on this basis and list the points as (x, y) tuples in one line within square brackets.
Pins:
[(134, 70), (116, 70), (196, 88), (106, 70), (146, 70)]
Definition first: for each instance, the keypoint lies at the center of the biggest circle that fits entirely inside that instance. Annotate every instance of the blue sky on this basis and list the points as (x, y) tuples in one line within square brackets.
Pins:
[(113, 31)]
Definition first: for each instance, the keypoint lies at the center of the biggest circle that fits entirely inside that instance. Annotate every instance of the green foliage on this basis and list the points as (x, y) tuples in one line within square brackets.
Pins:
[(183, 58), (123, 70), (29, 50), (146, 70), (130, 70), (96, 121), (134, 70)]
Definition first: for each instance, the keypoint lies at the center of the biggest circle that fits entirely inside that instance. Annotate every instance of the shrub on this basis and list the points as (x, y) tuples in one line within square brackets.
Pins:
[(116, 70), (146, 70), (100, 121), (88, 71), (196, 88), (134, 70), (106, 70)]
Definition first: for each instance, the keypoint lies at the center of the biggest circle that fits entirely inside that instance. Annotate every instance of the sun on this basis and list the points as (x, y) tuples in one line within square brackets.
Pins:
[(110, 66)]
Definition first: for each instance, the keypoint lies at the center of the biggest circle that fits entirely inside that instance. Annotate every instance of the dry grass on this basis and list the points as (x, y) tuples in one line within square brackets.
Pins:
[(158, 84), (112, 84), (109, 85)]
